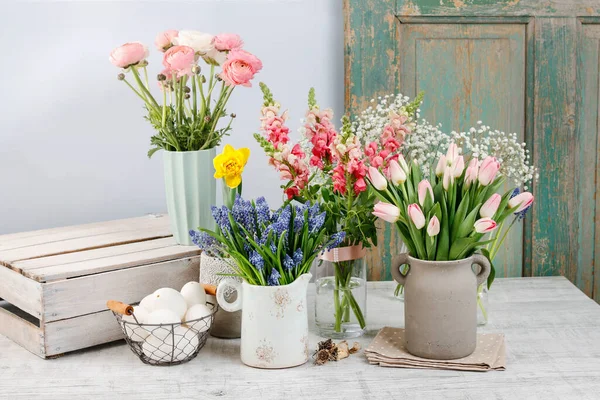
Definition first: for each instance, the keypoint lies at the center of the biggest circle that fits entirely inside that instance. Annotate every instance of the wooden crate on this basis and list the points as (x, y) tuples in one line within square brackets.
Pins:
[(55, 282)]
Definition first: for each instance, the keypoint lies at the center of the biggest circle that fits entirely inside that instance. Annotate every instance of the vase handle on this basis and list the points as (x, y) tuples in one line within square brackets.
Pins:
[(222, 288), (484, 263), (397, 263)]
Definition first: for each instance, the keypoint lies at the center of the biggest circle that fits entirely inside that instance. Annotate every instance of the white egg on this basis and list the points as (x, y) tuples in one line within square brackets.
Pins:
[(184, 339), (193, 293), (196, 312), (169, 299), (135, 332), (161, 317), (148, 303)]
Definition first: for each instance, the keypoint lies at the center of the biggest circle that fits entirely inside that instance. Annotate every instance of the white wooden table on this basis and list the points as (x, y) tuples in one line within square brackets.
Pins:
[(553, 352)]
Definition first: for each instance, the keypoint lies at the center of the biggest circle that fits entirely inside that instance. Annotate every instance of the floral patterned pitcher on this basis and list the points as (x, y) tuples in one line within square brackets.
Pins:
[(274, 322)]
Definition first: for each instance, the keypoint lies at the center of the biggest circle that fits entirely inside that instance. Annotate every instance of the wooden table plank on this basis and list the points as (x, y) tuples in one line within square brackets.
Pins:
[(553, 352)]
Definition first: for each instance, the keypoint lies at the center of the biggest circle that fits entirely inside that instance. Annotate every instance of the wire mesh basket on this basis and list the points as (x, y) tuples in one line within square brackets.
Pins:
[(163, 344)]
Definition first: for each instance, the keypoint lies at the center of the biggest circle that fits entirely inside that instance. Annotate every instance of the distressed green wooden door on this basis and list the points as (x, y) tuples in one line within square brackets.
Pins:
[(518, 66)]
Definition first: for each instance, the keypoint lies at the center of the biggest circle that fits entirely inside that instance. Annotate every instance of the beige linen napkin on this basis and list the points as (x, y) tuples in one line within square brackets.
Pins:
[(387, 350)]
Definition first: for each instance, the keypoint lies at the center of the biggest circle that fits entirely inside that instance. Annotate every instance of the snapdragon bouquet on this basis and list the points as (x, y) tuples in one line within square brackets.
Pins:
[(194, 98), (269, 248), (329, 168)]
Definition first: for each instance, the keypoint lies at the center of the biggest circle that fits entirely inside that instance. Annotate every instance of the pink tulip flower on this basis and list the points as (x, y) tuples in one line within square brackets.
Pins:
[(459, 166), (433, 228), (523, 200), (448, 177), (452, 154), (416, 215), (471, 172), (441, 166), (397, 174), (488, 170), (422, 189), (128, 54), (386, 211), (403, 163), (377, 179), (489, 208), (485, 225)]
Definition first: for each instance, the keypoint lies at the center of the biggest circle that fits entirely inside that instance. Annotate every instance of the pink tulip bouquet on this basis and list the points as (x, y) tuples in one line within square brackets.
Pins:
[(454, 212), (193, 100)]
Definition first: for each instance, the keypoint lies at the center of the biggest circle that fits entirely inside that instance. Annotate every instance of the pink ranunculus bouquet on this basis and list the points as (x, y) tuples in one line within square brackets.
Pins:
[(187, 118)]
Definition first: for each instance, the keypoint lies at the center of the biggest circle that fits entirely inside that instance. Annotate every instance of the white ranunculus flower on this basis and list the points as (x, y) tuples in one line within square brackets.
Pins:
[(201, 42)]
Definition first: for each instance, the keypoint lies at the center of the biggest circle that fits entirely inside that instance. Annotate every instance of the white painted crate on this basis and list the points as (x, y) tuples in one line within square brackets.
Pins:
[(55, 282)]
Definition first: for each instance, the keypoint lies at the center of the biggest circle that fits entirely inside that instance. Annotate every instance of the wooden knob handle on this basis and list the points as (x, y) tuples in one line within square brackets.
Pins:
[(120, 308), (210, 289)]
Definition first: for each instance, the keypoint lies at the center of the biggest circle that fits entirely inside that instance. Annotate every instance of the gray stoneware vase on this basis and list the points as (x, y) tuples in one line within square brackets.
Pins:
[(440, 305)]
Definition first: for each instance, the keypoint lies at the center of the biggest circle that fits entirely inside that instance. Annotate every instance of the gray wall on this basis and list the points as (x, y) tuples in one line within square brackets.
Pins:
[(73, 141)]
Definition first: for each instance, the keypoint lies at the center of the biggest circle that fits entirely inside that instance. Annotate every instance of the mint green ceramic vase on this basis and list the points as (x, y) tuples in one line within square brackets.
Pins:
[(191, 191)]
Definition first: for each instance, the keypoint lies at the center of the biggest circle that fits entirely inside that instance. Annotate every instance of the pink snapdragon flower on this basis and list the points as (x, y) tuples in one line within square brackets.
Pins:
[(228, 42), (239, 68), (129, 54), (164, 40), (179, 59)]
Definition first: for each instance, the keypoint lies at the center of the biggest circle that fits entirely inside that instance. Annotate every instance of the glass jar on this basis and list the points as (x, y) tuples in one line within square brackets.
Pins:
[(482, 305), (341, 293)]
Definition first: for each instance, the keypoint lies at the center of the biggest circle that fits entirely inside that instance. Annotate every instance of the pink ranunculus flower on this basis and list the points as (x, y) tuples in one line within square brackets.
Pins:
[(416, 215), (423, 188), (239, 68), (489, 208), (433, 228), (523, 200), (488, 170), (164, 40), (179, 59), (485, 225), (386, 211), (228, 42), (128, 54)]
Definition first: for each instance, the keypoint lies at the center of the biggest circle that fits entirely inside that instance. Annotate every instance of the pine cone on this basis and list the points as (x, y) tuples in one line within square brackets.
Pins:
[(322, 357)]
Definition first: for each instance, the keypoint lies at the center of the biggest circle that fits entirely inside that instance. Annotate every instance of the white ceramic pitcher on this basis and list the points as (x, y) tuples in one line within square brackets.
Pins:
[(274, 322)]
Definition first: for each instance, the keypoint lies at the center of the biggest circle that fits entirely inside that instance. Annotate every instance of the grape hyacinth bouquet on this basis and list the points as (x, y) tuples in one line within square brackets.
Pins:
[(193, 98), (269, 248)]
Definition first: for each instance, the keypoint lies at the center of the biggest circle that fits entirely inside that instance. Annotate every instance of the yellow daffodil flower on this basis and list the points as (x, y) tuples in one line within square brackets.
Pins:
[(230, 165)]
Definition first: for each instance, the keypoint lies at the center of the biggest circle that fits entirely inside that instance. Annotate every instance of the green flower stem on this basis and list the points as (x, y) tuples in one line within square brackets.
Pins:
[(194, 97), (497, 247), (164, 107), (146, 77), (145, 90), (480, 303), (135, 91), (342, 305), (201, 90), (211, 86)]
